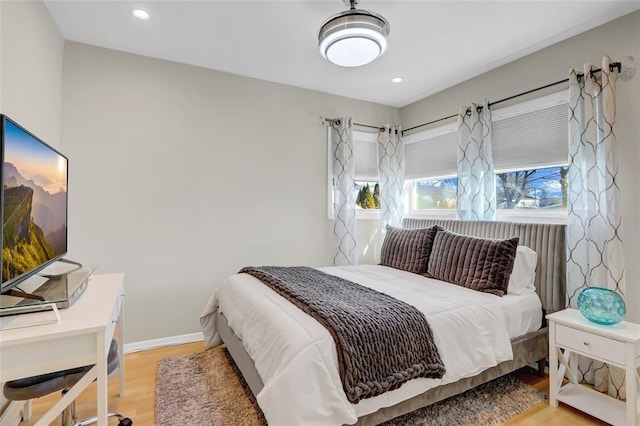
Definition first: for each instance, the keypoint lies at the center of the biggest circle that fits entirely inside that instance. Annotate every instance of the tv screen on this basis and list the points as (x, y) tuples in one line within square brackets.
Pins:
[(34, 204)]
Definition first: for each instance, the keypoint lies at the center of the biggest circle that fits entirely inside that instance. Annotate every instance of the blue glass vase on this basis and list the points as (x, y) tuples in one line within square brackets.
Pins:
[(601, 305)]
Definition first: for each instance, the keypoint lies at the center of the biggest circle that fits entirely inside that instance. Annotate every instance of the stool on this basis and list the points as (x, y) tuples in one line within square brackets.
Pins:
[(44, 384)]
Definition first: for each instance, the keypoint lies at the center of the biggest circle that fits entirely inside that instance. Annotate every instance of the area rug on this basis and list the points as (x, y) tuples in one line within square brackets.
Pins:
[(206, 388)]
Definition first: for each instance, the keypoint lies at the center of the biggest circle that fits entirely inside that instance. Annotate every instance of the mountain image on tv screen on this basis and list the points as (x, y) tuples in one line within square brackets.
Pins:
[(34, 221)]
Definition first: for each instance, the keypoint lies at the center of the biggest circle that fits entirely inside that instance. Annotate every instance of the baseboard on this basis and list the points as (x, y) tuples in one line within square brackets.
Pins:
[(164, 341)]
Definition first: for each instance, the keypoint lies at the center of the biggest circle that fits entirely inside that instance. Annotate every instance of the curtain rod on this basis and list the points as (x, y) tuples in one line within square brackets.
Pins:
[(612, 66), (379, 128)]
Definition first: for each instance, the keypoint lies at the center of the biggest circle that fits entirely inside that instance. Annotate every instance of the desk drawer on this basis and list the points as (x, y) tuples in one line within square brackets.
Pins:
[(590, 344)]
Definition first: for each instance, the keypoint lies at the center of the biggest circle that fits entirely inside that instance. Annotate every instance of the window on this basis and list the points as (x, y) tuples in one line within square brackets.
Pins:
[(366, 176), (438, 193), (530, 153), (367, 195), (542, 188), (530, 156)]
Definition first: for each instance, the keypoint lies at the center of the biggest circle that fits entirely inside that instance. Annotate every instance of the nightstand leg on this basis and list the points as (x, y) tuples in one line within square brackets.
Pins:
[(631, 386), (553, 367), (573, 368)]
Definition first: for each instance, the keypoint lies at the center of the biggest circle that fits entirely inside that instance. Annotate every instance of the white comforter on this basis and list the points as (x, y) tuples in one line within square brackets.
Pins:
[(296, 356)]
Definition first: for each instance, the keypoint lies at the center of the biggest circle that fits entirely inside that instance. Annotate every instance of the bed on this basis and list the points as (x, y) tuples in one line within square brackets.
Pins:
[(226, 317)]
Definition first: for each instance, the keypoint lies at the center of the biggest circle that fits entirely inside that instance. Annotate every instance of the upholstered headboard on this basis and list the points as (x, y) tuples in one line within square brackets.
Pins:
[(544, 238)]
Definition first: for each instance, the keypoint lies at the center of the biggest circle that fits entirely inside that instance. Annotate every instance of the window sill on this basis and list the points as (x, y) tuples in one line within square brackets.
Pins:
[(368, 214), (362, 214), (527, 216), (532, 216), (433, 214)]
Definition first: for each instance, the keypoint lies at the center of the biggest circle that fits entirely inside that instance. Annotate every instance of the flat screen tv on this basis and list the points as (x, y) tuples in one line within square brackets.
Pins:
[(34, 204)]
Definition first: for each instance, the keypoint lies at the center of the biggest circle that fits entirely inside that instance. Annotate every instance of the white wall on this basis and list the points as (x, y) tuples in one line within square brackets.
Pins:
[(617, 39), (180, 176), (31, 49)]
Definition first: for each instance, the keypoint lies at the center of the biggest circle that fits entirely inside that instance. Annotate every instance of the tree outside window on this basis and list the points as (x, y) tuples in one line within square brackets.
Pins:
[(544, 188), (365, 198)]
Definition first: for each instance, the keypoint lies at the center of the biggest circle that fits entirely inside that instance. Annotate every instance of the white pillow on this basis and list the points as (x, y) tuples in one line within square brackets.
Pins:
[(521, 280)]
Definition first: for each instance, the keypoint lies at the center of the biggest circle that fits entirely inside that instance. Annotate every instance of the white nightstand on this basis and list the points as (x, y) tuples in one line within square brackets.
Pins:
[(617, 345)]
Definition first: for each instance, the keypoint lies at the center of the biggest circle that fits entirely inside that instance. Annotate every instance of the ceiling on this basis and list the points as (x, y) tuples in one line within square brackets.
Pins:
[(433, 44)]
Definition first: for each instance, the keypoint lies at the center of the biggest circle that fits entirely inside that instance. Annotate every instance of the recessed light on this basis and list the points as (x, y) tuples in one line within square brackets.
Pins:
[(396, 80), (140, 14)]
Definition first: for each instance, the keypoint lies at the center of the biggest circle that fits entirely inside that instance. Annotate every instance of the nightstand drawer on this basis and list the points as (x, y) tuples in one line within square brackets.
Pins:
[(591, 344)]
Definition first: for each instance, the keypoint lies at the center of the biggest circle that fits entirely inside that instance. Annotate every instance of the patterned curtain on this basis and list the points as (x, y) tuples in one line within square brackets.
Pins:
[(594, 246), (476, 180), (344, 212), (391, 175)]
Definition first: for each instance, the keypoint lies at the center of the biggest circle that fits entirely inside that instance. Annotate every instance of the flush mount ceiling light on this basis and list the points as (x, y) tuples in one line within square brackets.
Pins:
[(354, 37)]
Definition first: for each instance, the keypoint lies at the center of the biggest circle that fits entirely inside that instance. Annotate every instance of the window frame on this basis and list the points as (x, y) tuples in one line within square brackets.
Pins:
[(361, 214), (558, 216), (511, 215)]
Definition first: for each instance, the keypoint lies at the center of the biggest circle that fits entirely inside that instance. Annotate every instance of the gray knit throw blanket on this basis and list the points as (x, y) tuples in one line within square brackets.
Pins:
[(381, 342)]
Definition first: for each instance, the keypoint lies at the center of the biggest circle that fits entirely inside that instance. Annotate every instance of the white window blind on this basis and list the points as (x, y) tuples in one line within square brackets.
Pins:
[(431, 157), (533, 139), (366, 152), (526, 135)]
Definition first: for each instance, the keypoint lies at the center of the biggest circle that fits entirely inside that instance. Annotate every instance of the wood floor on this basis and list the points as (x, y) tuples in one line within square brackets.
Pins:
[(141, 369)]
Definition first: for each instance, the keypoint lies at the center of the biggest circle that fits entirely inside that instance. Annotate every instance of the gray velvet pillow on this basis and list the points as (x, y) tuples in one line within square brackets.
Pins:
[(477, 263), (408, 249)]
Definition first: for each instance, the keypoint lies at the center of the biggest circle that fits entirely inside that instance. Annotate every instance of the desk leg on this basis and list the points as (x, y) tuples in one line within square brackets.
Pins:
[(121, 347), (553, 366), (101, 385), (74, 392)]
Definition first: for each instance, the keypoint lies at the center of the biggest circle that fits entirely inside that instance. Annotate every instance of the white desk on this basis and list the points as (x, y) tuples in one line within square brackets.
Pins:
[(81, 337)]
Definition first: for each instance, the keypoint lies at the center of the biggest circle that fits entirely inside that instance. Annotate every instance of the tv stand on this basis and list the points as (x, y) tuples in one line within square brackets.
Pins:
[(62, 274), (72, 262), (62, 290), (19, 293)]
